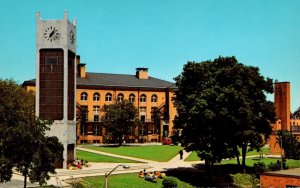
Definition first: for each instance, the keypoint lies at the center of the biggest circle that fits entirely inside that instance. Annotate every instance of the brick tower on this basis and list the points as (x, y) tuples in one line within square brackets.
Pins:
[(282, 104)]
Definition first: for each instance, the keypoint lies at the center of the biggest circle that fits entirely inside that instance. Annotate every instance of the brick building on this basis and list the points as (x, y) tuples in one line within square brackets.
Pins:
[(282, 178), (94, 90)]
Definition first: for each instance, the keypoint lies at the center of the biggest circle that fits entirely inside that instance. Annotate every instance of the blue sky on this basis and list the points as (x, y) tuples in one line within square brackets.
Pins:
[(116, 36)]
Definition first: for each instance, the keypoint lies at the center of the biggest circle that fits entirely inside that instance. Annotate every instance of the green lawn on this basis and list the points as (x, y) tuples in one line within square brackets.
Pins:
[(161, 153), (193, 156), (93, 157), (249, 162), (125, 180)]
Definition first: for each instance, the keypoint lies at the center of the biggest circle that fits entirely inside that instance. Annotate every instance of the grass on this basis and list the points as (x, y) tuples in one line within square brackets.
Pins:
[(193, 156), (125, 180), (250, 161), (160, 153), (93, 157)]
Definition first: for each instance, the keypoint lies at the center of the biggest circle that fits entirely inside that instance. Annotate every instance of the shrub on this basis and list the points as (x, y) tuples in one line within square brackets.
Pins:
[(277, 166), (169, 182), (259, 168), (244, 180)]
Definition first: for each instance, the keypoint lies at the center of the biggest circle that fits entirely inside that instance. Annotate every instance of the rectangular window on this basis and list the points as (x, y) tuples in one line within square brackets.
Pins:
[(84, 113), (96, 109), (51, 60), (83, 129), (96, 118), (97, 129), (143, 132), (153, 113), (143, 109)]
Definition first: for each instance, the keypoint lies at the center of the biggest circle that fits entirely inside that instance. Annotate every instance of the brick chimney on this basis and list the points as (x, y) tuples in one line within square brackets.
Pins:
[(142, 73), (80, 68)]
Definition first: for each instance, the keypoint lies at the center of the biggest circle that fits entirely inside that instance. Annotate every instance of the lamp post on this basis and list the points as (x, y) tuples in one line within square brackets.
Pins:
[(125, 166)]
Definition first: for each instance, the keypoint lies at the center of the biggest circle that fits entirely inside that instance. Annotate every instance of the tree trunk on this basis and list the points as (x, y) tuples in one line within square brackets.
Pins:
[(238, 160), (25, 179), (120, 140), (244, 151)]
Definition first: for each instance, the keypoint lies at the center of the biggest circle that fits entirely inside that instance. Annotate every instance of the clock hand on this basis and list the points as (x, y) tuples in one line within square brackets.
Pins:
[(52, 33)]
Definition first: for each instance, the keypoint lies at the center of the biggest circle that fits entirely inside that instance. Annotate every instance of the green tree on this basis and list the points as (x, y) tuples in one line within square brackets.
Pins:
[(120, 119), (290, 143), (221, 106), (296, 114), (23, 143)]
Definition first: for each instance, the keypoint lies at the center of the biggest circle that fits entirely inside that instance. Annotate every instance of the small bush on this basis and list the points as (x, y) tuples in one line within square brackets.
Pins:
[(259, 168), (277, 166), (169, 182), (244, 180)]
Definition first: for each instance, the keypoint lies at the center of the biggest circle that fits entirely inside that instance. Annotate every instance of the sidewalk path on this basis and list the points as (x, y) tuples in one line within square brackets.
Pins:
[(99, 169)]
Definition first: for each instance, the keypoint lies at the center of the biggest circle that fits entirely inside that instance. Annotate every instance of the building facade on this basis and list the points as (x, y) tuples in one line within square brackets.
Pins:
[(148, 94)]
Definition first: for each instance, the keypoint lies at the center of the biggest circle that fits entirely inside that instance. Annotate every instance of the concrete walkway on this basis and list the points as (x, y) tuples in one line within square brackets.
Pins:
[(99, 169)]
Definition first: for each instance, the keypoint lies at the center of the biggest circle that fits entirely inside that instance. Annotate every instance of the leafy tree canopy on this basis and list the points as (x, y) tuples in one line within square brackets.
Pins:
[(120, 119), (290, 143), (23, 143), (221, 106), (296, 114)]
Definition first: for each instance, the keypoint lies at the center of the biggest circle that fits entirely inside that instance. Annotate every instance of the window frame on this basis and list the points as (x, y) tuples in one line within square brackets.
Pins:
[(143, 98), (83, 96), (120, 97), (154, 98), (108, 96), (131, 98), (96, 109), (98, 118), (96, 97)]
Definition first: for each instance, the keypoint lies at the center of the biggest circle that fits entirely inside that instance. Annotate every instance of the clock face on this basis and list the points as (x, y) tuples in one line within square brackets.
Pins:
[(72, 37), (51, 34)]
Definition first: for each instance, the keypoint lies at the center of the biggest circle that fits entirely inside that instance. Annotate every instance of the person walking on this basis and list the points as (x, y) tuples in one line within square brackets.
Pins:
[(181, 154)]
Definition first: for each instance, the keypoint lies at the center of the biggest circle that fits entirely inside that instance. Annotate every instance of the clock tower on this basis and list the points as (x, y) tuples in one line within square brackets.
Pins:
[(56, 80)]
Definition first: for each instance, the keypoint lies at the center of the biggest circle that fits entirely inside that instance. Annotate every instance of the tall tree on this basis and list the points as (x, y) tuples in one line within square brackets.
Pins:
[(296, 114), (290, 143), (23, 143), (120, 119), (221, 106)]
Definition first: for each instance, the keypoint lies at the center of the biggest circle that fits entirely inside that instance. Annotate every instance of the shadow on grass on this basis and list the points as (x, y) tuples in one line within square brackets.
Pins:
[(217, 176)]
